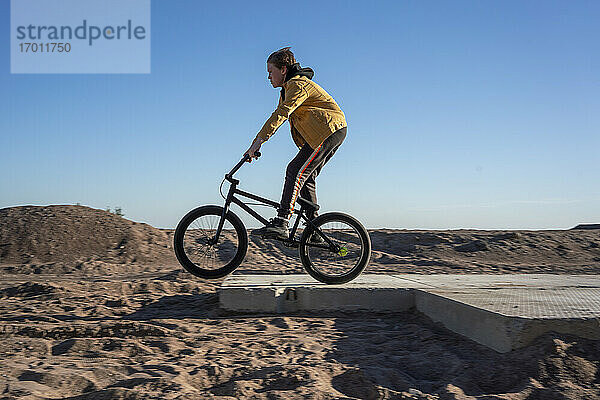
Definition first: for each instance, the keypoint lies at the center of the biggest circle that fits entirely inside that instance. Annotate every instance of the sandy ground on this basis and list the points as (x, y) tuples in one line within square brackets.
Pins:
[(93, 306)]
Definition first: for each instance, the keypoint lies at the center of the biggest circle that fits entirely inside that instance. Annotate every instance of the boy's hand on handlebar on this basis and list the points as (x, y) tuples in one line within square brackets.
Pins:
[(254, 147)]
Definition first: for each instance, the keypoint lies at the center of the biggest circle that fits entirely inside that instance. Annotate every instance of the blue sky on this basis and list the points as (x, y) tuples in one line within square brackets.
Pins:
[(462, 114)]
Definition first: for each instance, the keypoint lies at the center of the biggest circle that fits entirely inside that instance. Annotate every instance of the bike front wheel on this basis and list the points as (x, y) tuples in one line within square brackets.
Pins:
[(198, 251), (340, 258)]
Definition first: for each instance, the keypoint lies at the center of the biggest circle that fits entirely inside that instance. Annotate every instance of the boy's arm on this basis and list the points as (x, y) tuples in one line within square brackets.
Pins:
[(295, 94), (254, 147)]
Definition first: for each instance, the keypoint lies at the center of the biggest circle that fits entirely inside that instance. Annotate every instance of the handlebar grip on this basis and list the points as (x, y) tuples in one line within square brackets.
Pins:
[(239, 165)]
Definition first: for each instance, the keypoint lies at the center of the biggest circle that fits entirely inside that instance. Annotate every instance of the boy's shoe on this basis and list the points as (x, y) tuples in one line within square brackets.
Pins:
[(277, 228)]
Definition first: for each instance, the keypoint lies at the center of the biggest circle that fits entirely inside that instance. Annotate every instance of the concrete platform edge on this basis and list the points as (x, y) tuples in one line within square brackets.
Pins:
[(496, 330)]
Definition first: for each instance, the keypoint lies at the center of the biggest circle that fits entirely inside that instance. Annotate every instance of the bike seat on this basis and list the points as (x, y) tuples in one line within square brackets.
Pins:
[(306, 203)]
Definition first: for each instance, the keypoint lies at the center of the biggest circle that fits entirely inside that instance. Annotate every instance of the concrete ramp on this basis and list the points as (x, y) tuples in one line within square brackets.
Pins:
[(504, 312)]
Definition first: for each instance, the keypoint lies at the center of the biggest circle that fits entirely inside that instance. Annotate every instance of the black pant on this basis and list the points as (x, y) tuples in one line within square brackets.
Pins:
[(302, 171)]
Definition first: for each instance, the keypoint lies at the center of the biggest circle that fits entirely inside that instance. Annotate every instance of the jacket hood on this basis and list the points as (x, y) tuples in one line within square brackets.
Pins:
[(295, 70)]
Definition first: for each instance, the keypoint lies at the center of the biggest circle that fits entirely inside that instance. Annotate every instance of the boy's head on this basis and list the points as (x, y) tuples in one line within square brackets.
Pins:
[(278, 64)]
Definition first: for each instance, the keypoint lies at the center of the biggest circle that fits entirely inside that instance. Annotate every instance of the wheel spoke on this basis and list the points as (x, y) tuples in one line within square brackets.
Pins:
[(347, 239), (196, 242)]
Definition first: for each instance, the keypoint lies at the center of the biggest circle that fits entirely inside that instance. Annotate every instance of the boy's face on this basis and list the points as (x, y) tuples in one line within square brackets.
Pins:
[(276, 75)]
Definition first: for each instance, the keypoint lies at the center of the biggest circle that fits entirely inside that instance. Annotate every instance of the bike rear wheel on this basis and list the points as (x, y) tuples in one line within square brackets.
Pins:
[(195, 247), (341, 260)]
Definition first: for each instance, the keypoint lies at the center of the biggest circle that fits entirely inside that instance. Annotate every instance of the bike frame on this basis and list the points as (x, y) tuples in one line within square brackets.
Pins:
[(233, 191)]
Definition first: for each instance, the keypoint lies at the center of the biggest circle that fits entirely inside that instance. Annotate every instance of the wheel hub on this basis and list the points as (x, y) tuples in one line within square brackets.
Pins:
[(343, 251)]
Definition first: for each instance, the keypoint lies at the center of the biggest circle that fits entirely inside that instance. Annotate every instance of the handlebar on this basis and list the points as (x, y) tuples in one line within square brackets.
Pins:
[(239, 165)]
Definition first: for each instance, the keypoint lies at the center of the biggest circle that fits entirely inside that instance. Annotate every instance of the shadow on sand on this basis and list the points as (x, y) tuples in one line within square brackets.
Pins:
[(392, 356)]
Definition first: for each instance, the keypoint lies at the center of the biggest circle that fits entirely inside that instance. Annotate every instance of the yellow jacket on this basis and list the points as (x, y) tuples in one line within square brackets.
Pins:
[(312, 112)]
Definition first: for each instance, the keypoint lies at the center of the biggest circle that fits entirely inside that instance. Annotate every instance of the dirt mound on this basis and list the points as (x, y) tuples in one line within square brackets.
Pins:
[(587, 226), (480, 251), (69, 239), (67, 233)]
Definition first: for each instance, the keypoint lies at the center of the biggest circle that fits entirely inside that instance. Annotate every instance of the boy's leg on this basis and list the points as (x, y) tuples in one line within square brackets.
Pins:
[(278, 227), (294, 174), (303, 169), (309, 191), (308, 162)]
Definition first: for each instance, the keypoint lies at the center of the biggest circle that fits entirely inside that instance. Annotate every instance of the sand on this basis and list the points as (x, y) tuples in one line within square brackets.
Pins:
[(93, 306)]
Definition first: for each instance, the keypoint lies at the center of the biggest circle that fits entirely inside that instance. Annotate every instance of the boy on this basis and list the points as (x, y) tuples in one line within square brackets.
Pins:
[(318, 128)]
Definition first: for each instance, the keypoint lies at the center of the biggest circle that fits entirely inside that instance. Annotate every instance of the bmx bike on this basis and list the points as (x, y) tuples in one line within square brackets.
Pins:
[(211, 241)]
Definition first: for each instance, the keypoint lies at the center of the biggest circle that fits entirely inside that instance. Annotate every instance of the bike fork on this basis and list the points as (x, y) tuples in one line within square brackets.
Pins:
[(223, 214)]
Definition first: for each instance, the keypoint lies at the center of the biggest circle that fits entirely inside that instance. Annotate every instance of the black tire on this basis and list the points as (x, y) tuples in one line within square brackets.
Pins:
[(201, 258), (328, 266)]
